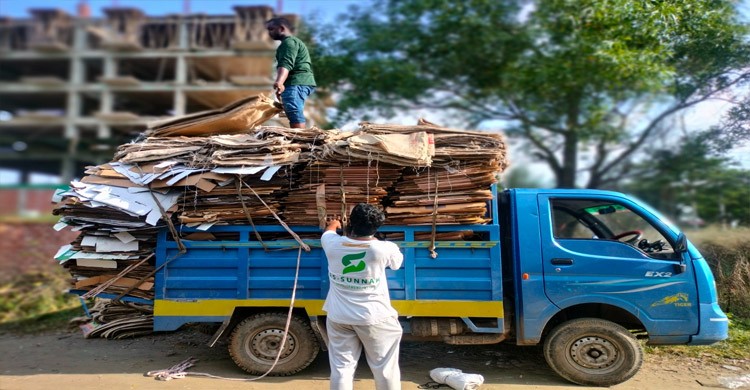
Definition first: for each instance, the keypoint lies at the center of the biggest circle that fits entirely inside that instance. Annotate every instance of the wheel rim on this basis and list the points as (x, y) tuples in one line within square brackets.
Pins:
[(264, 345), (594, 353)]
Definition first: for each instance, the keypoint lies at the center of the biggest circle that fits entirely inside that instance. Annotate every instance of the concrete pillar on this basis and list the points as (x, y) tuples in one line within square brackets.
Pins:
[(181, 77), (180, 100), (107, 99), (67, 170), (76, 79)]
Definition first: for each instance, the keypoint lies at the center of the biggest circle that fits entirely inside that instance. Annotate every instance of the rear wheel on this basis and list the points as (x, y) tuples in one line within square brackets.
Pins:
[(255, 343), (593, 352)]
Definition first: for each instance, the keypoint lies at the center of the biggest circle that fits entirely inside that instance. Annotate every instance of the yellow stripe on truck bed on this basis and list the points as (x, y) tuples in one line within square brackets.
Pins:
[(314, 307)]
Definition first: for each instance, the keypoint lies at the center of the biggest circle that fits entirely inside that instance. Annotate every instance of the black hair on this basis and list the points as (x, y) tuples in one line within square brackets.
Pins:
[(365, 219), (281, 22)]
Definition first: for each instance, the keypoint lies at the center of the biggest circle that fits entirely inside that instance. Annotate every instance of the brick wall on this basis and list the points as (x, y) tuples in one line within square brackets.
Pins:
[(26, 201), (29, 247)]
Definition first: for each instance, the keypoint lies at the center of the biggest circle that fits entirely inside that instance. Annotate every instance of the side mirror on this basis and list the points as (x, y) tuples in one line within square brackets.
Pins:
[(681, 244)]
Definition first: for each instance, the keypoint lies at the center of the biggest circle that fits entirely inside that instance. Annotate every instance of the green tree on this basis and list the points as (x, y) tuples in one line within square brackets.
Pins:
[(571, 77), (695, 174)]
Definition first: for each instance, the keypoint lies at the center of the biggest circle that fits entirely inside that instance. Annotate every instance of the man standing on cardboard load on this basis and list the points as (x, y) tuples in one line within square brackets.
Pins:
[(358, 305), (294, 76)]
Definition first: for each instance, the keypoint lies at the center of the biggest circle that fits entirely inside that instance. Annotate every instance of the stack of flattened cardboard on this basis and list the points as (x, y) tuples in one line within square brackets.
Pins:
[(455, 189), (118, 227), (117, 320), (442, 196), (248, 197), (185, 150), (413, 149), (222, 168), (267, 146), (452, 145), (334, 188), (249, 169), (119, 207)]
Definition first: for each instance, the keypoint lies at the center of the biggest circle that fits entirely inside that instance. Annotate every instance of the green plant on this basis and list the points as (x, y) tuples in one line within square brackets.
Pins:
[(737, 346), (727, 253), (32, 295)]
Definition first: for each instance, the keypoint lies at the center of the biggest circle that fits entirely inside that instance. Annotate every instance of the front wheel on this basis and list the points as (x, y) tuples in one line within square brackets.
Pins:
[(593, 352), (255, 343)]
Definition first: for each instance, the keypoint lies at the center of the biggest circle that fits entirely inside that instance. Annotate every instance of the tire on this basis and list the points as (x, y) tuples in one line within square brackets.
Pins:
[(255, 342), (593, 352)]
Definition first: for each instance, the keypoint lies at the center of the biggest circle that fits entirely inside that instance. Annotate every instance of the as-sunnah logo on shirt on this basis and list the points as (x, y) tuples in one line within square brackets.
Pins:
[(349, 267)]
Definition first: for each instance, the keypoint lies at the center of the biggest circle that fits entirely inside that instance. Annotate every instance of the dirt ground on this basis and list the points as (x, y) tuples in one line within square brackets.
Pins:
[(64, 360)]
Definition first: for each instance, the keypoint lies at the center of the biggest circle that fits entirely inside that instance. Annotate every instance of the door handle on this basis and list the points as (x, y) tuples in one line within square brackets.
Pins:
[(561, 261)]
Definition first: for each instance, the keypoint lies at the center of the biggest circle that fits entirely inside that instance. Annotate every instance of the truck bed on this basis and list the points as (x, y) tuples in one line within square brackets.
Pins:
[(212, 278)]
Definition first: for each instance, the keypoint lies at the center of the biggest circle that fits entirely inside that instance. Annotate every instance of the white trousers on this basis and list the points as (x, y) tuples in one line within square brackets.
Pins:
[(381, 344)]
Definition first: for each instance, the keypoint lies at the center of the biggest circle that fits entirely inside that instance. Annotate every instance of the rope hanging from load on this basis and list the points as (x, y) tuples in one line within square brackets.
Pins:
[(238, 184), (284, 225), (434, 254), (344, 219), (168, 220), (95, 291)]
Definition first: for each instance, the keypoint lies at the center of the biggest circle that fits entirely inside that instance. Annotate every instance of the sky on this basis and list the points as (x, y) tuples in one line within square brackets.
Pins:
[(325, 9)]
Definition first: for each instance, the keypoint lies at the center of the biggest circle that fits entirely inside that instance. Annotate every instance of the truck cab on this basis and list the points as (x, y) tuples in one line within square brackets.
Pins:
[(585, 255)]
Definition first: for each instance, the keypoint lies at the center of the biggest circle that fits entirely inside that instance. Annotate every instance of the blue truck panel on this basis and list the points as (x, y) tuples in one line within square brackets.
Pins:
[(210, 273)]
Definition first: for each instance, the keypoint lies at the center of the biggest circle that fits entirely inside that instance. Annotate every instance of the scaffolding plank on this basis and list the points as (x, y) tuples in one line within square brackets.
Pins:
[(120, 81), (43, 80)]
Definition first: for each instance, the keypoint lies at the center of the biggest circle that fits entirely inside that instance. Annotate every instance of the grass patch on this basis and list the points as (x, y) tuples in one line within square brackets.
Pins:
[(727, 252), (35, 302), (53, 321), (41, 218), (723, 237), (736, 347)]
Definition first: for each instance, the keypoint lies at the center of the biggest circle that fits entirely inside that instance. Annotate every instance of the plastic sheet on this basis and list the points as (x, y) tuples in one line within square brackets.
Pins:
[(456, 378)]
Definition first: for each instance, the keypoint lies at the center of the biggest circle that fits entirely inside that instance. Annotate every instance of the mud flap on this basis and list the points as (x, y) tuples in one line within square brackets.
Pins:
[(318, 325), (222, 329)]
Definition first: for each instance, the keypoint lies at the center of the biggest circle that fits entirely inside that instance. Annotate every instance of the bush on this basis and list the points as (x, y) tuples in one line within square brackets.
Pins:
[(31, 295), (728, 255)]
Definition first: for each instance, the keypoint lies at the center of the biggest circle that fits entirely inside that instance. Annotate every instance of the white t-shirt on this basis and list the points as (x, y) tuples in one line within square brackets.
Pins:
[(358, 293)]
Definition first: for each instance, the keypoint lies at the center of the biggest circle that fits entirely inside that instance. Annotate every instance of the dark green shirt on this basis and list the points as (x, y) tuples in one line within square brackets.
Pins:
[(292, 54)]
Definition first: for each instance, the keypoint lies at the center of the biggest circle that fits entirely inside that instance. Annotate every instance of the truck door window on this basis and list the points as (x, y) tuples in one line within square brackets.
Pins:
[(604, 220)]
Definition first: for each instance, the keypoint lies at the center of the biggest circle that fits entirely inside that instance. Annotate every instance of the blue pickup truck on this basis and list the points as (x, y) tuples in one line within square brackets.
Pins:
[(585, 273)]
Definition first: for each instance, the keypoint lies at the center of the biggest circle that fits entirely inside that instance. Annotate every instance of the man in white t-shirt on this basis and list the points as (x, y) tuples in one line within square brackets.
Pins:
[(358, 305)]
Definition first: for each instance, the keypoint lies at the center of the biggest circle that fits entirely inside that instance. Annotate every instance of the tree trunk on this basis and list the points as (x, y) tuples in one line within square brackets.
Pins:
[(567, 176), (595, 179)]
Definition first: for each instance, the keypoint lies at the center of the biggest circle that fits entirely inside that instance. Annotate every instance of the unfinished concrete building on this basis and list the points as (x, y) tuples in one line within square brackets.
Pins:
[(73, 88)]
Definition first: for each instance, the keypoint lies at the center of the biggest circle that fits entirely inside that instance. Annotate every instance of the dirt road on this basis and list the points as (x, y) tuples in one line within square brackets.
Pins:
[(65, 360)]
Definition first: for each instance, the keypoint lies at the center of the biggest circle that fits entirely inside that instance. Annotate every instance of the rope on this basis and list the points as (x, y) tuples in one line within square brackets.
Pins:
[(179, 370), (296, 237), (168, 220), (431, 248), (369, 164), (95, 291), (432, 385), (247, 212), (150, 274), (344, 219)]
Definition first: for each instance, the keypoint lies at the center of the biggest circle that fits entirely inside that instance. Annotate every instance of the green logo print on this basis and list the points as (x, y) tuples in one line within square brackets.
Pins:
[(349, 267)]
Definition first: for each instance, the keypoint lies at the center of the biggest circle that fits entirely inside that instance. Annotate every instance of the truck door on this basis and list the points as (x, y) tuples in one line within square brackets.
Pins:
[(607, 249)]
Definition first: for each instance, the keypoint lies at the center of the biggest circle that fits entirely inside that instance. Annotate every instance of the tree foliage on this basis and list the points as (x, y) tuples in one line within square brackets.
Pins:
[(696, 175), (597, 78)]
